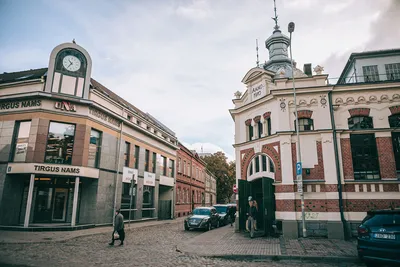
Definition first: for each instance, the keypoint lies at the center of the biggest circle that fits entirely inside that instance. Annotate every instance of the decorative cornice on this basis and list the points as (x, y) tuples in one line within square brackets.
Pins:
[(354, 112), (257, 118), (267, 115)]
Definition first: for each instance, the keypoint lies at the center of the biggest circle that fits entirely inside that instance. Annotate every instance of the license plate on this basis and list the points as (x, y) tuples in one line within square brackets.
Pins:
[(192, 223), (385, 236)]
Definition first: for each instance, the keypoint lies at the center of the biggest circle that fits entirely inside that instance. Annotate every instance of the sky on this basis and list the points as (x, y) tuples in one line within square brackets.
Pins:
[(182, 60)]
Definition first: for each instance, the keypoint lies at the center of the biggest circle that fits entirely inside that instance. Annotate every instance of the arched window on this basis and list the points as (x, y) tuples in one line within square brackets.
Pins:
[(305, 124), (360, 122), (262, 163)]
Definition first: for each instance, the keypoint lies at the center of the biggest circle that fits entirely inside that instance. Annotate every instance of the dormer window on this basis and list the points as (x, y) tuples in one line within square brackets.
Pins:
[(371, 73)]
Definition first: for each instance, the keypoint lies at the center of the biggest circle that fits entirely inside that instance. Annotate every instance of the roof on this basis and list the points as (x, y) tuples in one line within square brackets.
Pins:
[(10, 77), (367, 54), (33, 74)]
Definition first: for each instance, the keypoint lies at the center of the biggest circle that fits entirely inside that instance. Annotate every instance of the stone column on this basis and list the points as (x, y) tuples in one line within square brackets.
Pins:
[(75, 203), (29, 200)]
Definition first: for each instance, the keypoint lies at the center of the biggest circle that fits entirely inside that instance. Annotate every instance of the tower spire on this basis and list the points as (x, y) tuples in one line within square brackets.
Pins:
[(257, 62), (276, 17)]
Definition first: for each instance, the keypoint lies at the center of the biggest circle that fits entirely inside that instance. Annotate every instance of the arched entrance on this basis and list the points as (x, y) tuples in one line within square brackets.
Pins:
[(259, 185)]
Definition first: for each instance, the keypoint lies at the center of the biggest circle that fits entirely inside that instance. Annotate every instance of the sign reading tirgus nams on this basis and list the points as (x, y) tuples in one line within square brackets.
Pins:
[(55, 169)]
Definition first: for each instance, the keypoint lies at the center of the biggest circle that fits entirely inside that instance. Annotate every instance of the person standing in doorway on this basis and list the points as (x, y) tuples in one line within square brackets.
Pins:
[(119, 228), (255, 217)]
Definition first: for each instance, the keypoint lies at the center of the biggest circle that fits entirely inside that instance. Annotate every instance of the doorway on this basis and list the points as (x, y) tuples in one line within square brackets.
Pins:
[(263, 191), (51, 205)]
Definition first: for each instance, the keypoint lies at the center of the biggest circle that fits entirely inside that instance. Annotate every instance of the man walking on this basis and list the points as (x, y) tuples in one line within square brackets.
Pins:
[(119, 228)]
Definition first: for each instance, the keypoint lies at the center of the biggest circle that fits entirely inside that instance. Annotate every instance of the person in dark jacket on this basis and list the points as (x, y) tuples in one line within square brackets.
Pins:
[(119, 228), (231, 214)]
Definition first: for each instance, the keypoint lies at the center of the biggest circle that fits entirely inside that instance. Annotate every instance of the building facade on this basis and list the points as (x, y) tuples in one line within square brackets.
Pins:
[(190, 181), (70, 149), (348, 137), (211, 189)]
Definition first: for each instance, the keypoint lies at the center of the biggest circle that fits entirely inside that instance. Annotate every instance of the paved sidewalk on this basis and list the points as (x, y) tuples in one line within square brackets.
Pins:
[(225, 243), (22, 237)]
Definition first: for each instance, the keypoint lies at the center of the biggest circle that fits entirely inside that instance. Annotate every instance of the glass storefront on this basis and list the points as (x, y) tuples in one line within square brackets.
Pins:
[(148, 202), (128, 201), (52, 200)]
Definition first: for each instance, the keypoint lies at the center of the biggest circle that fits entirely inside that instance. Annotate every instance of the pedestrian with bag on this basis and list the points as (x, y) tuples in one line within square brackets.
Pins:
[(119, 232)]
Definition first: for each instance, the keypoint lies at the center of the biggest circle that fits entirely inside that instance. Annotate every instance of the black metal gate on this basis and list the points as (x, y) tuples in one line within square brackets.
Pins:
[(164, 209)]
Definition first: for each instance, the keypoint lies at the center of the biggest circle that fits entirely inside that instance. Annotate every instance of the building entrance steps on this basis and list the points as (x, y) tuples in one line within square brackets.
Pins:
[(225, 243)]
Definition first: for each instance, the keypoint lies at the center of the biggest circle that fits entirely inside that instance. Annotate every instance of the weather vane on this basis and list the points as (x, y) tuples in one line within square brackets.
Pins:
[(276, 17)]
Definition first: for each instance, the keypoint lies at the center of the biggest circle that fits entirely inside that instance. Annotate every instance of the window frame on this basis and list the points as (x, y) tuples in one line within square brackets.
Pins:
[(301, 124), (359, 161), (47, 142), (127, 152), (147, 160), (391, 69), (154, 162), (98, 147), (371, 73), (17, 127), (137, 152)]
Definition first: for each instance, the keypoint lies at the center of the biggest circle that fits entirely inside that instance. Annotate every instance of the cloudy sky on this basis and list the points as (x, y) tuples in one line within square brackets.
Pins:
[(181, 61)]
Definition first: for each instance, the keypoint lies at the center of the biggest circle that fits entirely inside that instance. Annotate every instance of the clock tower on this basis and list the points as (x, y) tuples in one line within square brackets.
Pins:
[(69, 71)]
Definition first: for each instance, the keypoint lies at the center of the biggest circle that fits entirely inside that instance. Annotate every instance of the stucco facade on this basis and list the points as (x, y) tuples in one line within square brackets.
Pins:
[(265, 146)]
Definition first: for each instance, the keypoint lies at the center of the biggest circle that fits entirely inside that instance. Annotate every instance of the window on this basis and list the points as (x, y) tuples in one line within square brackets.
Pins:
[(370, 73), (164, 165), (60, 143), (264, 163), (392, 71), (148, 201), (184, 167), (179, 165), (94, 148), (396, 150), (128, 194), (129, 117), (154, 164), (260, 129), (188, 170), (137, 149), (305, 124), (257, 160), (171, 168), (251, 168), (126, 153), (21, 139), (365, 156), (250, 132), (147, 161), (394, 121), (360, 122), (268, 122), (271, 165)]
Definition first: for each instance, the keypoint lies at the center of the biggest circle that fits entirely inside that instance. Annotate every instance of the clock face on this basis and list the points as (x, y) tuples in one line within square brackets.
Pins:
[(71, 63)]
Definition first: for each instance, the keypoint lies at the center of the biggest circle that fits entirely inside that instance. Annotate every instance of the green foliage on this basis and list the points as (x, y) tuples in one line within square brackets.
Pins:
[(225, 174)]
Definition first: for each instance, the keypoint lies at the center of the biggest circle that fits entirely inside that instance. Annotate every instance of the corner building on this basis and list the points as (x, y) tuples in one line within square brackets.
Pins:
[(70, 148), (349, 141)]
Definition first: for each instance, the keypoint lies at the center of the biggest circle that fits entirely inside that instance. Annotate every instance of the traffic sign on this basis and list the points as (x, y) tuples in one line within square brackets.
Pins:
[(299, 168), (234, 189)]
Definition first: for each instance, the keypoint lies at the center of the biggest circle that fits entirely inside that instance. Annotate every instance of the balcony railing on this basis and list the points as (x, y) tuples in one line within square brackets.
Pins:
[(375, 78)]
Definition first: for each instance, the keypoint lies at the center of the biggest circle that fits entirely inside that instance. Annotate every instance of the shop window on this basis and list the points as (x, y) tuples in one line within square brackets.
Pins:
[(360, 122), (60, 143), (394, 121), (21, 139), (126, 153), (154, 162), (171, 168), (305, 124), (94, 148), (260, 129), (128, 200), (147, 160), (137, 149), (148, 202), (365, 156)]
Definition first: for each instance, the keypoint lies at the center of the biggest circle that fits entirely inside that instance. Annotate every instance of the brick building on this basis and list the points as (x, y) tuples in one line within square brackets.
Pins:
[(190, 181), (211, 189), (350, 142), (70, 149)]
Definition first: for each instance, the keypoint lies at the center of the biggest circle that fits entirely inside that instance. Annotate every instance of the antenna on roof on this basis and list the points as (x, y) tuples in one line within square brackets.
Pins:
[(73, 40), (257, 62)]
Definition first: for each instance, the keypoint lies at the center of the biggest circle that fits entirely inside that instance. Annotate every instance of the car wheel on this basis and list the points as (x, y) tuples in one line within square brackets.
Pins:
[(208, 227)]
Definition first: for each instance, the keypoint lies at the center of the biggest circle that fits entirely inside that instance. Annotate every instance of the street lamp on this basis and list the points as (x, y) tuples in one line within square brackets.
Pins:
[(298, 164)]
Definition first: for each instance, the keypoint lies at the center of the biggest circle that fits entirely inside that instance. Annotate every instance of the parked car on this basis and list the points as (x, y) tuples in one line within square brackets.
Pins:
[(222, 210), (203, 218), (379, 237)]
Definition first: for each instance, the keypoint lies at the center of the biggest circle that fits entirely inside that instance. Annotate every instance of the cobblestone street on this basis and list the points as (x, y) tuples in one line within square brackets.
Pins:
[(147, 246)]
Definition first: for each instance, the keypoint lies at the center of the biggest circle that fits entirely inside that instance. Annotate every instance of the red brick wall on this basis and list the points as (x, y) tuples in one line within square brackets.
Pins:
[(359, 112), (363, 205), (304, 114), (394, 110), (276, 158), (310, 205), (387, 163), (316, 173), (246, 156), (347, 159)]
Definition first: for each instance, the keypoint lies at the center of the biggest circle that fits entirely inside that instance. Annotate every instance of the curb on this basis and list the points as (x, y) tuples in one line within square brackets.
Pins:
[(335, 259)]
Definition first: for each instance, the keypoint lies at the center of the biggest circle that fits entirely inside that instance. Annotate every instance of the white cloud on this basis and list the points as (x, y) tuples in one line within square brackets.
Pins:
[(207, 148)]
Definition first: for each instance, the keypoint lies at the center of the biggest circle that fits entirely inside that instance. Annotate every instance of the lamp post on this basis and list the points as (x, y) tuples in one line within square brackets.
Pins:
[(298, 164)]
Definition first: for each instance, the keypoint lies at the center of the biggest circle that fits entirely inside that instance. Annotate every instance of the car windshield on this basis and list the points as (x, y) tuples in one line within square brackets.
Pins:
[(201, 212), (220, 209), (382, 219)]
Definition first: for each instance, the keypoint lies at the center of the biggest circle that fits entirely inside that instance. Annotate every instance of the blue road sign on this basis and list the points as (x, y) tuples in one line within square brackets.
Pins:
[(299, 168)]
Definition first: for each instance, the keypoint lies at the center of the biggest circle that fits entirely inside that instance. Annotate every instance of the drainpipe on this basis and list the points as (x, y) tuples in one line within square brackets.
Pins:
[(118, 168), (339, 180)]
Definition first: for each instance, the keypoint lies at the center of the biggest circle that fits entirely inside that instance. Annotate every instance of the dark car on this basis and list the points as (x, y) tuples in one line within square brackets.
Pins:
[(202, 218), (379, 237), (222, 210)]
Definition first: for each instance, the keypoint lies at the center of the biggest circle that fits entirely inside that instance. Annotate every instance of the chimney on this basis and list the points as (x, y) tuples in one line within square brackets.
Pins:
[(307, 69)]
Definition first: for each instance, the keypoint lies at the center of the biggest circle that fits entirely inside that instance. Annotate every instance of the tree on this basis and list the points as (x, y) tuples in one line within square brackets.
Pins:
[(224, 174)]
